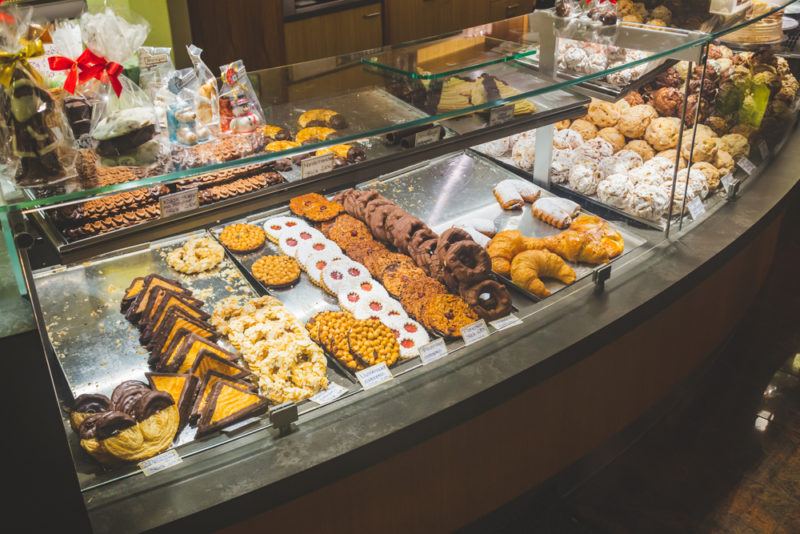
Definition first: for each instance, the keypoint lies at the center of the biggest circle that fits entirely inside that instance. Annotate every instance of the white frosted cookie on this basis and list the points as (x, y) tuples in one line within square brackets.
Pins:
[(584, 178), (275, 226), (567, 139), (648, 201), (524, 153), (310, 249), (343, 273), (614, 190), (561, 165), (496, 148)]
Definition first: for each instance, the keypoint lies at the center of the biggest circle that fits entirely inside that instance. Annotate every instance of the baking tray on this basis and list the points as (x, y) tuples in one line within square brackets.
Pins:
[(304, 299), (454, 189)]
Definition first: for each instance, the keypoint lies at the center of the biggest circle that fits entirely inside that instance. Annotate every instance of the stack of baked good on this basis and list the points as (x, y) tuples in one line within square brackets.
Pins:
[(290, 367), (461, 92), (528, 260), (425, 265)]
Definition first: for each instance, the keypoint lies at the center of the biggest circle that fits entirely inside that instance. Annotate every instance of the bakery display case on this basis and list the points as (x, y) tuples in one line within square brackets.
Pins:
[(264, 254)]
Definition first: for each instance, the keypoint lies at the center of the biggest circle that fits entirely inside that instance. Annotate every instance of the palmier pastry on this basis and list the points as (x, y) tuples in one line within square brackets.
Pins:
[(127, 394), (529, 267), (322, 117), (313, 134), (468, 262), (447, 314), (489, 299), (86, 405)]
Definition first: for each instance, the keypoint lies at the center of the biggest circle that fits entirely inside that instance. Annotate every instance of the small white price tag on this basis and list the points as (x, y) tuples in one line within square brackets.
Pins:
[(160, 462), (501, 115), (316, 165), (747, 166), (374, 376), (427, 137), (764, 149), (696, 208), (333, 392), (474, 332), (435, 350), (180, 202), (508, 321), (241, 424), (728, 180)]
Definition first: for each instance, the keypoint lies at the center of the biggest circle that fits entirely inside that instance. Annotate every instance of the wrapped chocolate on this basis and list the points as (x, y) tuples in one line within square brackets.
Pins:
[(39, 140), (124, 120), (239, 108), (182, 116), (207, 97)]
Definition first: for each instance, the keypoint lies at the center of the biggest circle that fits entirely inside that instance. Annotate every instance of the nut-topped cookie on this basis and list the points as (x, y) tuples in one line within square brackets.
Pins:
[(242, 238), (447, 314), (373, 342), (277, 271)]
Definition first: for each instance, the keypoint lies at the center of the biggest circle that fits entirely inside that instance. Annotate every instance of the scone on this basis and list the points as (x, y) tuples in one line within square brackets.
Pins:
[(711, 173), (587, 130), (613, 136), (724, 162), (705, 149), (663, 133), (736, 145), (634, 121), (603, 114), (642, 148)]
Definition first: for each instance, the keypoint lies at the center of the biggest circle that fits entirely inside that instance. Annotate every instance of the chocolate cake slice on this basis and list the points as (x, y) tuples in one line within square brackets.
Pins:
[(178, 327), (208, 361), (151, 282), (182, 389), (228, 403), (203, 391), (182, 352), (159, 308)]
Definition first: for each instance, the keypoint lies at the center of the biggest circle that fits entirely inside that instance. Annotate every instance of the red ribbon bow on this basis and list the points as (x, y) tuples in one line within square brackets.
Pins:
[(6, 18), (88, 66)]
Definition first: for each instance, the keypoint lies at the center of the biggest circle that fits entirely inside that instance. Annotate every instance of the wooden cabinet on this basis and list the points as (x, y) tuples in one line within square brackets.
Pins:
[(333, 34), (504, 9)]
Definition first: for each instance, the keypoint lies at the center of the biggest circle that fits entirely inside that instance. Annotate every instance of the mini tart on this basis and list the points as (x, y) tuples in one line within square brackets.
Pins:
[(377, 307), (322, 117), (290, 241), (373, 342), (227, 404), (300, 204), (346, 230), (276, 226), (404, 328), (447, 314), (410, 343), (330, 330), (324, 212), (341, 273), (181, 387), (308, 250), (317, 264), (242, 238), (276, 271), (414, 294), (197, 255), (350, 298)]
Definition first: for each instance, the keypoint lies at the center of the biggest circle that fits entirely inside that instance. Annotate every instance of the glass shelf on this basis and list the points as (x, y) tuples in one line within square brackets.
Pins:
[(727, 27)]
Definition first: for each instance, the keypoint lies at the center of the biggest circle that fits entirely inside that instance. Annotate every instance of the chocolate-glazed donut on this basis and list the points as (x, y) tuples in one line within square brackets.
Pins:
[(127, 394), (468, 262), (423, 252), (448, 238), (110, 424), (151, 403), (404, 230), (376, 221), (392, 219), (421, 236), (364, 197), (441, 273), (88, 427), (489, 299), (91, 403)]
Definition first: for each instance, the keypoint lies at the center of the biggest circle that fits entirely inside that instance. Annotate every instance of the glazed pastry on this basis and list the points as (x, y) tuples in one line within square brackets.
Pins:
[(507, 195), (242, 238), (589, 239), (86, 405), (322, 117), (496, 148), (276, 133), (344, 153), (313, 134), (281, 146), (181, 387), (561, 165), (468, 262), (226, 404), (529, 192), (489, 299), (736, 145), (276, 271), (197, 255), (552, 212), (529, 267), (503, 248)]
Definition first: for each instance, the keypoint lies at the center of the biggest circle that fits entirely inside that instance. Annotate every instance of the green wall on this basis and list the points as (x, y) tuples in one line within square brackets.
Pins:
[(155, 11)]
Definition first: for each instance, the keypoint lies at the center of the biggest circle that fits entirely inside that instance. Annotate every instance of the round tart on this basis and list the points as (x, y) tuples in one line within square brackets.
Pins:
[(447, 314), (197, 255), (330, 330), (347, 230), (242, 238), (350, 298), (415, 294), (276, 271), (277, 225), (324, 212), (373, 342)]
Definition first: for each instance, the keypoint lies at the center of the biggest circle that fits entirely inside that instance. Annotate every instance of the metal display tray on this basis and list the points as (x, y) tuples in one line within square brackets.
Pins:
[(457, 188), (304, 299)]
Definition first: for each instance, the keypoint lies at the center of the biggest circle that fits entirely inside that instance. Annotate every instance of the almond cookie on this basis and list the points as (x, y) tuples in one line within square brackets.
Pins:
[(197, 255), (242, 238), (397, 276), (447, 315), (276, 271), (300, 205), (379, 262), (373, 342)]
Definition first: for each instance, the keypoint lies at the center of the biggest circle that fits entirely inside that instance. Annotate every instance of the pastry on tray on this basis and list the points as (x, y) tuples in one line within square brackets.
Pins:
[(322, 117), (314, 134), (531, 266), (137, 306), (228, 403), (197, 255), (181, 387), (242, 238), (276, 271), (86, 405), (276, 133), (184, 350), (205, 388)]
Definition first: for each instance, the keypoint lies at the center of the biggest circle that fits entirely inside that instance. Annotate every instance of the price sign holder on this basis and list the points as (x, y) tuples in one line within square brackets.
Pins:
[(316, 165), (501, 115), (600, 277), (696, 208), (179, 202), (163, 461), (509, 321), (747, 166), (374, 376), (428, 137), (475, 332), (240, 425), (731, 185), (764, 149), (433, 351), (283, 416), (333, 392)]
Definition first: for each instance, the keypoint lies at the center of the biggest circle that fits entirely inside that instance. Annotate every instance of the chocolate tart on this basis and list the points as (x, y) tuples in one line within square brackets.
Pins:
[(181, 328), (151, 281), (206, 385), (161, 336), (183, 351), (131, 293), (182, 389), (167, 303), (228, 403), (208, 361)]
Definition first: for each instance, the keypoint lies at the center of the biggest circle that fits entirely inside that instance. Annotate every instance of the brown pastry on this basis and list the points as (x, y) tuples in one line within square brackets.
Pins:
[(313, 134), (530, 266), (667, 101), (447, 315), (403, 230), (489, 299), (226, 404), (181, 387), (377, 263), (242, 238), (86, 405), (396, 276), (415, 293), (276, 271), (322, 117), (468, 262), (276, 133)]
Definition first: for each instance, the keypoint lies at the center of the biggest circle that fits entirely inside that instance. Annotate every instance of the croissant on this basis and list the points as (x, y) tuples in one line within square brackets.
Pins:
[(502, 249), (529, 267), (589, 239)]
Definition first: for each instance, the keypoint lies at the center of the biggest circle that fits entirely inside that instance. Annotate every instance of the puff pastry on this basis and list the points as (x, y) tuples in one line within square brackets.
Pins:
[(529, 267)]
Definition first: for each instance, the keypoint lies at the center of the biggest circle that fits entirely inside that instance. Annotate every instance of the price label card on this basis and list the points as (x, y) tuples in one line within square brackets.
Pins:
[(764, 149), (747, 166), (241, 424), (475, 332), (728, 180), (180, 202), (160, 462), (333, 392), (435, 350), (427, 137), (316, 165), (696, 208), (501, 115), (508, 321), (374, 376)]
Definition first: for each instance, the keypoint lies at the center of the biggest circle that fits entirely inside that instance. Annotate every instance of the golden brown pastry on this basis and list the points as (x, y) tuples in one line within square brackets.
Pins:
[(529, 267), (589, 239), (502, 249)]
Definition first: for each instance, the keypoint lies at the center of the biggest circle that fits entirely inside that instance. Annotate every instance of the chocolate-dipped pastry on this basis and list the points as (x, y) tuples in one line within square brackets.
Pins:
[(448, 238), (488, 298), (404, 230), (87, 429), (181, 387), (227, 403), (150, 403), (126, 395), (109, 424), (86, 405)]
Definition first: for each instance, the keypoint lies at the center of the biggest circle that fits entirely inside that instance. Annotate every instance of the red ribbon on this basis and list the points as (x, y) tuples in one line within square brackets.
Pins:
[(91, 66), (6, 18)]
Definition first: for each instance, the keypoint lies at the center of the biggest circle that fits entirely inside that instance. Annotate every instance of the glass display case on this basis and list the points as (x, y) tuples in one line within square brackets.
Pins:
[(393, 208)]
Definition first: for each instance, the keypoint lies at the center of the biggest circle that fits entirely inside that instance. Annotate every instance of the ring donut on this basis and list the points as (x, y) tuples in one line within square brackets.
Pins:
[(489, 299), (376, 221), (448, 238), (468, 262), (392, 218), (423, 253), (404, 230), (421, 236)]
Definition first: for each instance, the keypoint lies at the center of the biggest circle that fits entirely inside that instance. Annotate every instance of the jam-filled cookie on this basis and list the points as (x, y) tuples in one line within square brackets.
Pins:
[(378, 307), (275, 226), (242, 238), (447, 314), (277, 271), (379, 262), (373, 342), (410, 335), (299, 205)]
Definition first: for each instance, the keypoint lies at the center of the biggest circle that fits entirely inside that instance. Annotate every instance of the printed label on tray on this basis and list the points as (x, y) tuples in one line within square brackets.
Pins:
[(696, 208), (316, 165), (374, 376), (159, 463), (475, 332), (241, 424), (333, 392), (501, 115), (764, 149), (729, 182), (747, 166), (433, 351), (508, 321), (426, 137), (180, 202)]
